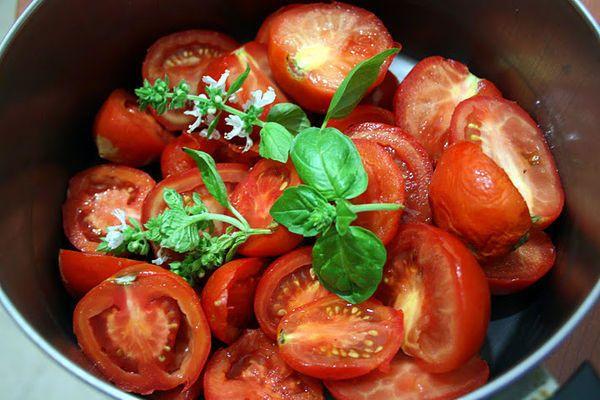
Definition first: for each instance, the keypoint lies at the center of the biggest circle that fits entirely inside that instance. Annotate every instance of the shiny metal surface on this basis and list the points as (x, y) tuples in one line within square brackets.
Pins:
[(63, 57)]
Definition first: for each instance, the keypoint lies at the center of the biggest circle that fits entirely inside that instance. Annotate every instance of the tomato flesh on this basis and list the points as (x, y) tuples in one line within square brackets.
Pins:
[(383, 95), (174, 160), (362, 113)]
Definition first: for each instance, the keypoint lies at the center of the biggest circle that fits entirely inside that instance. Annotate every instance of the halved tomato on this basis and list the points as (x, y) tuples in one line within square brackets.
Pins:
[(436, 282), (383, 95), (508, 135), (193, 393), (428, 95), (174, 160), (251, 369), (233, 152), (288, 283), (362, 113), (312, 47), (264, 32), (412, 158), (228, 296), (94, 194), (144, 329), (333, 339)]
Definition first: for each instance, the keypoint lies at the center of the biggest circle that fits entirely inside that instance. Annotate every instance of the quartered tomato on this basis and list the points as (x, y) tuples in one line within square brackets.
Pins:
[(251, 369), (228, 296), (288, 283), (312, 47), (174, 160), (124, 134), (362, 113), (407, 380), (144, 329), (508, 135), (436, 282), (474, 198), (92, 197), (386, 185), (412, 158), (333, 339), (428, 95), (383, 95), (254, 196), (183, 56)]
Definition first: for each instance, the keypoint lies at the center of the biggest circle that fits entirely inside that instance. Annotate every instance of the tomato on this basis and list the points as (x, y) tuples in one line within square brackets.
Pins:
[(92, 197), (144, 329), (383, 95), (264, 32), (288, 283), (333, 339), (254, 196), (251, 369), (233, 152), (416, 165), (363, 113), (521, 267), (183, 56), (228, 295), (312, 47), (437, 283), (125, 134), (406, 380), (474, 198), (508, 135), (193, 393), (426, 98), (386, 185), (174, 160)]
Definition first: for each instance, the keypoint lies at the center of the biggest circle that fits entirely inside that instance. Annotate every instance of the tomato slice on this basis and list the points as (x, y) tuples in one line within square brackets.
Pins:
[(428, 95), (94, 194), (288, 283), (362, 113), (174, 160), (312, 47), (416, 165), (228, 296), (407, 380), (386, 185), (508, 135), (437, 283), (193, 393), (254, 196), (251, 369), (264, 32), (144, 329), (183, 56), (333, 339), (383, 95), (474, 198)]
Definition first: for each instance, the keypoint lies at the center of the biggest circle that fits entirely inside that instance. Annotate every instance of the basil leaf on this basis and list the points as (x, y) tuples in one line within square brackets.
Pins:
[(351, 265), (328, 161), (303, 210), (210, 176), (345, 216), (355, 85), (289, 115), (238, 82), (275, 142)]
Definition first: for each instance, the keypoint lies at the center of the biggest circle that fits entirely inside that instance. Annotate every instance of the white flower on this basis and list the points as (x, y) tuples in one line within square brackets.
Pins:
[(120, 215), (194, 112), (220, 84), (114, 236), (234, 96), (161, 257), (215, 133), (237, 129), (259, 99)]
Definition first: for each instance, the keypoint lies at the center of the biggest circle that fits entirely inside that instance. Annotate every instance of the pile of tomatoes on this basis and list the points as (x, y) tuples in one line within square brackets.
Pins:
[(473, 170)]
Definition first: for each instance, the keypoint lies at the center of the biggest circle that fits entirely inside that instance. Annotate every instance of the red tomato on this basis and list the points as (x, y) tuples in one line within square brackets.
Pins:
[(264, 32), (254, 196), (386, 185), (92, 197), (228, 295), (288, 283), (251, 369), (406, 380), (174, 160), (362, 113), (436, 282), (144, 329), (508, 135), (413, 160), (183, 56), (312, 47), (428, 95), (383, 95), (333, 339), (474, 198), (232, 152), (125, 134), (521, 267), (193, 393)]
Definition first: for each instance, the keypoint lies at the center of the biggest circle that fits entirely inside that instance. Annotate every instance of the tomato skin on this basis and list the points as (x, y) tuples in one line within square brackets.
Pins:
[(228, 296), (193, 393), (362, 113), (383, 95), (474, 198), (439, 286), (174, 160)]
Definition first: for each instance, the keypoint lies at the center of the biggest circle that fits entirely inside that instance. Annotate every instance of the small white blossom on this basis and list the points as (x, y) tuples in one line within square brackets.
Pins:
[(114, 236), (195, 112), (259, 99), (121, 216), (220, 84), (161, 258), (234, 96), (237, 129), (215, 133)]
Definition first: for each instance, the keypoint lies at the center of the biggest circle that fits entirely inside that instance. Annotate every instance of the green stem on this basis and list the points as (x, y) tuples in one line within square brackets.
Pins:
[(218, 217), (258, 232), (239, 216), (376, 207), (232, 110)]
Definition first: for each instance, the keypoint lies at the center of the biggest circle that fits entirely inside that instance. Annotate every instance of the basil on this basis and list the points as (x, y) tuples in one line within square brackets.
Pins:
[(345, 216), (238, 82), (275, 142), (291, 116), (210, 176)]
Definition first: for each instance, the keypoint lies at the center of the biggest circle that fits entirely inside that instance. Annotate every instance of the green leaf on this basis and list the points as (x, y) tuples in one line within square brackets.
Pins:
[(328, 161), (303, 210), (289, 115), (275, 142), (344, 216), (210, 176), (351, 265), (238, 82), (355, 85)]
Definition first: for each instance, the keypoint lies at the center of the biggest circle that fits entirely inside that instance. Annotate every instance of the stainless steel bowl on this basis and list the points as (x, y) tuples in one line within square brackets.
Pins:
[(63, 57)]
